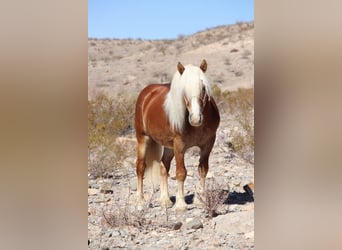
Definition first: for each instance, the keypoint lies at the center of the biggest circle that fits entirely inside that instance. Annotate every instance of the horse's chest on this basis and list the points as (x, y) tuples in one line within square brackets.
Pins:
[(197, 138)]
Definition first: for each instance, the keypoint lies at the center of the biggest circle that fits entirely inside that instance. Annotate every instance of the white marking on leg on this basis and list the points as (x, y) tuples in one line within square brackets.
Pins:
[(200, 190), (164, 192), (180, 201)]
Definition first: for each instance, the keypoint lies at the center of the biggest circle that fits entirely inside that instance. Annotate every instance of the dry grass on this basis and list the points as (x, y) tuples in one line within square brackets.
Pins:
[(108, 118), (240, 104), (132, 215), (126, 215)]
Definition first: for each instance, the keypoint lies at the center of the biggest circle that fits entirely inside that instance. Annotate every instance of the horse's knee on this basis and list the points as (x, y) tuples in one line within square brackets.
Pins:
[(181, 174)]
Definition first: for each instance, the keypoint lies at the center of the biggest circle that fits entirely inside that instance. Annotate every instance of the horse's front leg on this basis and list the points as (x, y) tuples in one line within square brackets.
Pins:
[(203, 168), (180, 174)]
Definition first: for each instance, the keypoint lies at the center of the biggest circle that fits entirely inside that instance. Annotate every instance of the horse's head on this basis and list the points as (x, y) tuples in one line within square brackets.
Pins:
[(196, 90)]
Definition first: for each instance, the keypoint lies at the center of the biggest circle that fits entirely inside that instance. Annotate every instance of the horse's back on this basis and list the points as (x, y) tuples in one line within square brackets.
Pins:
[(150, 91)]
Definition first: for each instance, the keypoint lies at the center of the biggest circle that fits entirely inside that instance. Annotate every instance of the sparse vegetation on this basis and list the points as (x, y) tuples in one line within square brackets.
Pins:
[(129, 214), (126, 215), (240, 104), (213, 196), (108, 118), (126, 66)]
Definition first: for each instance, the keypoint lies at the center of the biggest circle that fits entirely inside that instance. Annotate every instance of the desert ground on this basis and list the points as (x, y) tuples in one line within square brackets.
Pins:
[(123, 67)]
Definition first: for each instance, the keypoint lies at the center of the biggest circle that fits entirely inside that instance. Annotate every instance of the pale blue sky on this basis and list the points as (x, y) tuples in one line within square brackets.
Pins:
[(153, 19)]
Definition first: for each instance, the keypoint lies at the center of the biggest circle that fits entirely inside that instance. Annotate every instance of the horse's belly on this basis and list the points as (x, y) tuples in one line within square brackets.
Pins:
[(164, 141)]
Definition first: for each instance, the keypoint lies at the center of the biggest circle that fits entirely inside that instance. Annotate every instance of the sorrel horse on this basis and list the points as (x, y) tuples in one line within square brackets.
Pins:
[(169, 119)]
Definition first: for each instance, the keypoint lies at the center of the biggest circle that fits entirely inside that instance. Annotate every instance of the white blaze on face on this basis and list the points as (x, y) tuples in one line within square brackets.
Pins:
[(193, 81), (193, 103), (195, 113)]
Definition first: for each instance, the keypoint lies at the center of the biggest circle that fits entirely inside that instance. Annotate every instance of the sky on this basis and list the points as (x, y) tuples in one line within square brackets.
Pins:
[(153, 19)]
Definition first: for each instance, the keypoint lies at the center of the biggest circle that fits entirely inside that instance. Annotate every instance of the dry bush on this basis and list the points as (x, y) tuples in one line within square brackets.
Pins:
[(213, 196), (240, 104), (108, 118), (126, 215)]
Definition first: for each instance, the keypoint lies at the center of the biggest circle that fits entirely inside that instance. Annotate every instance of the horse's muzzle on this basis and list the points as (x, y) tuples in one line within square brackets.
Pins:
[(195, 120)]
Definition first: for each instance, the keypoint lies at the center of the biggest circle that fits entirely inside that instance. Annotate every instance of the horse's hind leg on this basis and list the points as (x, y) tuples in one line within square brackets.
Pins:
[(164, 172), (142, 144), (203, 168)]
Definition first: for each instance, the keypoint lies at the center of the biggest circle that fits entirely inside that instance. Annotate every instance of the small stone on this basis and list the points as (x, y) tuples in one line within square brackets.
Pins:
[(92, 191), (237, 222), (115, 233), (106, 188), (177, 225), (154, 234), (210, 175), (237, 183), (194, 224)]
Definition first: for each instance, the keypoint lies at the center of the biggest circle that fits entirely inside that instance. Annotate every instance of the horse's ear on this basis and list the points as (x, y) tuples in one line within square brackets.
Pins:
[(203, 66), (180, 68)]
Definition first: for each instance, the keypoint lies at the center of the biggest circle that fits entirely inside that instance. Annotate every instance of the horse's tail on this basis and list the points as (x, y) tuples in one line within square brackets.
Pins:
[(153, 157)]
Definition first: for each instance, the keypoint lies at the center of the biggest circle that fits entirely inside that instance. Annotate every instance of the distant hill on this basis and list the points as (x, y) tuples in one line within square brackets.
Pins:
[(127, 65)]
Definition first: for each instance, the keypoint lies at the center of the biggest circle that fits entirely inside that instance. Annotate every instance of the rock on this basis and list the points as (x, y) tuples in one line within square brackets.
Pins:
[(106, 188), (114, 233), (210, 175), (237, 183), (194, 223), (177, 225), (92, 191), (154, 234), (237, 222)]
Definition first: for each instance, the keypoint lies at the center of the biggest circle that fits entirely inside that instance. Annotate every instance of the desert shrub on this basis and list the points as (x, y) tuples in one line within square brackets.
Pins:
[(108, 118), (213, 195), (239, 104), (126, 215)]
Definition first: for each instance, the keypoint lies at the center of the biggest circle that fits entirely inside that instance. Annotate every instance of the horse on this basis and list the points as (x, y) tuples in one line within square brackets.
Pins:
[(169, 119)]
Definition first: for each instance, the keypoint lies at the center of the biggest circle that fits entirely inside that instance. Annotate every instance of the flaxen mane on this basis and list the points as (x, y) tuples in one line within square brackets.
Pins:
[(174, 103)]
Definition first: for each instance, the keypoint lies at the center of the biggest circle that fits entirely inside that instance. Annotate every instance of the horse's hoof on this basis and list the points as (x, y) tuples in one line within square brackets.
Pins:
[(181, 207)]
